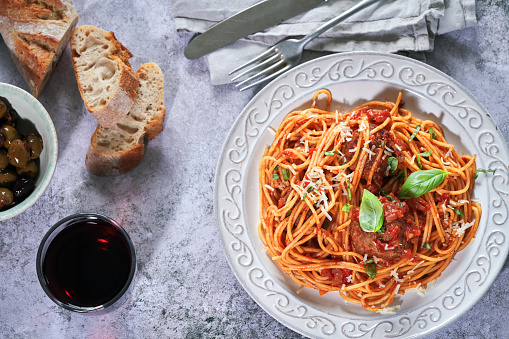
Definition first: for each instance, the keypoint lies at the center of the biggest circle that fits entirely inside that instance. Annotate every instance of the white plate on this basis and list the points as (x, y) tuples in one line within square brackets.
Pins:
[(354, 78)]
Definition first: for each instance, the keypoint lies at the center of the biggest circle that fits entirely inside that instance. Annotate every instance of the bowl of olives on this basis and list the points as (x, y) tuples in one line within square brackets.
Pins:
[(28, 150)]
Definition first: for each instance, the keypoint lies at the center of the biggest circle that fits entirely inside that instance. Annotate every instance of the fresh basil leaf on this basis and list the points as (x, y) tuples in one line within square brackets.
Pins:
[(426, 245), (349, 190), (371, 213), (476, 174), (423, 154), (460, 213), (286, 174), (370, 270), (304, 196), (417, 129), (331, 152), (310, 189), (275, 176), (275, 168), (288, 213), (421, 182), (432, 133), (346, 208), (392, 165)]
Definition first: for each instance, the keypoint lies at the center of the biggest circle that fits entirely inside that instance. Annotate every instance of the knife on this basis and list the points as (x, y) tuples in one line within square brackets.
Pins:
[(256, 18)]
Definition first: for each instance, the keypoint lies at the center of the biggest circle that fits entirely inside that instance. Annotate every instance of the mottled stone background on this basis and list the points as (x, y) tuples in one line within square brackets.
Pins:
[(184, 287)]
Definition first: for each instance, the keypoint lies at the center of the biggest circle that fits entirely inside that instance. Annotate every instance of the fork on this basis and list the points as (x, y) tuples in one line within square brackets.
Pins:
[(286, 53)]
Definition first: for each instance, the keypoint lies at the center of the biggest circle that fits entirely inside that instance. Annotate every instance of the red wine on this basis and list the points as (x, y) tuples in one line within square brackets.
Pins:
[(87, 264)]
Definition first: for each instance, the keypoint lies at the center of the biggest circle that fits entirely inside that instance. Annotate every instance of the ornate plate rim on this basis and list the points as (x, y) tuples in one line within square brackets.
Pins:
[(229, 179)]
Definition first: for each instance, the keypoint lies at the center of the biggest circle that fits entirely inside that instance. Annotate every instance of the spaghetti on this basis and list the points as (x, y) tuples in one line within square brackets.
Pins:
[(370, 203)]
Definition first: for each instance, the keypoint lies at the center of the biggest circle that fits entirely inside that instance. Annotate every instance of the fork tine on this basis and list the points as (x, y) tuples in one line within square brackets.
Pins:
[(270, 77), (260, 66), (261, 73), (254, 60)]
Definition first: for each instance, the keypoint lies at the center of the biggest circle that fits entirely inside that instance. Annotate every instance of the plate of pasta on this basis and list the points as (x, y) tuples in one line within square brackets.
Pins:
[(364, 195)]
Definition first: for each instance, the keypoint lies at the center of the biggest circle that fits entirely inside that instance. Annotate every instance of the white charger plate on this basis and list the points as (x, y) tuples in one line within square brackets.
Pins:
[(354, 78)]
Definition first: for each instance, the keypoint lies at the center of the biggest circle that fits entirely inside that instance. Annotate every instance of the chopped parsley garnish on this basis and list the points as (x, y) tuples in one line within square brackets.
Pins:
[(288, 213), (400, 176), (346, 208), (392, 165), (426, 245), (310, 189), (286, 174), (275, 176), (460, 213), (384, 193), (370, 268), (417, 129), (331, 152), (423, 154), (349, 190), (381, 230), (432, 133), (476, 174)]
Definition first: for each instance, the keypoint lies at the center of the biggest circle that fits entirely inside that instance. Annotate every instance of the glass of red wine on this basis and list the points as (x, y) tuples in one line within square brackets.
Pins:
[(86, 262)]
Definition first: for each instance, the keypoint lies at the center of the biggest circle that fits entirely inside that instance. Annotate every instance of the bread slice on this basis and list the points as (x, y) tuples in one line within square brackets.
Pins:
[(36, 33), (119, 149), (105, 78)]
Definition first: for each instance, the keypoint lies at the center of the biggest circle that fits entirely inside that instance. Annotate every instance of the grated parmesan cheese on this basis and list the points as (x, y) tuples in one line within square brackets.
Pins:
[(325, 213), (415, 267), (421, 291), (461, 227), (394, 273), (446, 163), (268, 187), (388, 310)]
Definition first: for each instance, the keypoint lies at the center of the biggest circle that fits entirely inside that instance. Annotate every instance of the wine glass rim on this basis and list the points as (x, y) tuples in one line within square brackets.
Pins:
[(63, 224)]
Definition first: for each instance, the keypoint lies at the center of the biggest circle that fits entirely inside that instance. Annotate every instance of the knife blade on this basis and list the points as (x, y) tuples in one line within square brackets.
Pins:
[(256, 18)]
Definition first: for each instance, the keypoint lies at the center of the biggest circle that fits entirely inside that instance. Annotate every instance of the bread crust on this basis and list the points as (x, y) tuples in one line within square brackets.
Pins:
[(143, 122), (102, 164), (36, 34), (121, 100)]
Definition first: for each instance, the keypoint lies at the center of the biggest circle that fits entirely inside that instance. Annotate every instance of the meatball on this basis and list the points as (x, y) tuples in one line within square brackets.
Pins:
[(394, 238)]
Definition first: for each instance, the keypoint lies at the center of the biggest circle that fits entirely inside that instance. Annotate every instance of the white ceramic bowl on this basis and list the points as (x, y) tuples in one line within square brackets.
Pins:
[(31, 109)]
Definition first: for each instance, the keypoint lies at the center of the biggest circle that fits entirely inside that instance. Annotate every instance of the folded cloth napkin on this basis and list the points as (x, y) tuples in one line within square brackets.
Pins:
[(387, 26)]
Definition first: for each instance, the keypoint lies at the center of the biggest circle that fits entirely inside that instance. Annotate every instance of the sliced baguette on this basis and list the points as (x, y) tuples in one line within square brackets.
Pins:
[(36, 33), (119, 149), (105, 78)]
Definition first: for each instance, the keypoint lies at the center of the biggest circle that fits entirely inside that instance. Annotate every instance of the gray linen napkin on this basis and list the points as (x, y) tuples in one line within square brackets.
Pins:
[(388, 26)]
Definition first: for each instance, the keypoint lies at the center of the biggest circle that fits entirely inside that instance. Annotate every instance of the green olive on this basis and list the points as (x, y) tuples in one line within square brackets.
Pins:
[(4, 161), (35, 145), (3, 109), (18, 153), (10, 133), (8, 178), (6, 197), (29, 171)]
